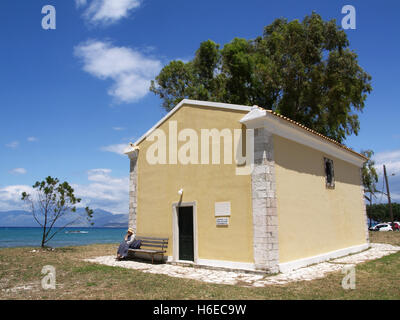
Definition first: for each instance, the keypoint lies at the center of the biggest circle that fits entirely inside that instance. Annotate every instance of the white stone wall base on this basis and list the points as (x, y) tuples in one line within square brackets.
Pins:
[(227, 264), (283, 267), (296, 264), (234, 265)]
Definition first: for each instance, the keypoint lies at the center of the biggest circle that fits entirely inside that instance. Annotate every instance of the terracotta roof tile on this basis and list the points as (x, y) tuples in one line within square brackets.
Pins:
[(314, 132)]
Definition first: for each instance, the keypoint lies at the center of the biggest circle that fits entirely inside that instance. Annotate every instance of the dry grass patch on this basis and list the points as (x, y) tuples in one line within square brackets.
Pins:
[(391, 237), (20, 276)]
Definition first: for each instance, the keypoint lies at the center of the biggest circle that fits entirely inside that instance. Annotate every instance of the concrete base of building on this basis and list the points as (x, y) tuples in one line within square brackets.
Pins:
[(251, 267), (300, 263)]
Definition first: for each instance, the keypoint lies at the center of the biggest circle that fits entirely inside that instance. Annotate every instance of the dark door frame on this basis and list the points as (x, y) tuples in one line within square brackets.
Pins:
[(175, 231)]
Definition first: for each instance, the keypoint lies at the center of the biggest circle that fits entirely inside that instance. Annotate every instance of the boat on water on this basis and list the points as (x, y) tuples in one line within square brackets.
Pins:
[(76, 231)]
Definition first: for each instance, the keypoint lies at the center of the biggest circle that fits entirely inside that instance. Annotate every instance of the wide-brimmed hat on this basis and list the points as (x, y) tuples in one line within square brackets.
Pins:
[(131, 230)]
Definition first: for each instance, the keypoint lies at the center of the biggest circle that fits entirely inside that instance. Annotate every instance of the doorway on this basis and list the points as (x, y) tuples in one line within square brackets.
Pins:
[(185, 229), (184, 232)]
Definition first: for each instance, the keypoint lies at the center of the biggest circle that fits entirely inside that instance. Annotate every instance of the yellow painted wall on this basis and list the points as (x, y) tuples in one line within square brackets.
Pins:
[(313, 219), (158, 187)]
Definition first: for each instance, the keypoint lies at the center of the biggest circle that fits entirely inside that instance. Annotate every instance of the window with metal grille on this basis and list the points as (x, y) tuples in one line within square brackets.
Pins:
[(329, 173)]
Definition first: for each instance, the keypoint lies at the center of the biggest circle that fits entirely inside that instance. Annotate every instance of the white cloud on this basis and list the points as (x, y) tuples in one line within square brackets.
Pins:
[(13, 144), (10, 197), (80, 3), (391, 159), (387, 156), (107, 11), (18, 171), (130, 70), (99, 175), (118, 128), (103, 191), (116, 148), (32, 139)]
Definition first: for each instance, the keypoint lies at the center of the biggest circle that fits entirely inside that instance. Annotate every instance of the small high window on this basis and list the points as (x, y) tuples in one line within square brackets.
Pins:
[(329, 173)]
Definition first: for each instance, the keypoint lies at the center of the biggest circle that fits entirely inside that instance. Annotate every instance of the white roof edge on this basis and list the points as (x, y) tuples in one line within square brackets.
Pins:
[(255, 113), (221, 105), (129, 149), (193, 103), (257, 119)]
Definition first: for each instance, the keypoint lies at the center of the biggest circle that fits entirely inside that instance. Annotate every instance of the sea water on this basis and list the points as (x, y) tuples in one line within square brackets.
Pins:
[(32, 237)]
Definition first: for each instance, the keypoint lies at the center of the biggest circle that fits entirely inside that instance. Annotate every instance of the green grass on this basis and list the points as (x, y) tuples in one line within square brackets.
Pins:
[(76, 279)]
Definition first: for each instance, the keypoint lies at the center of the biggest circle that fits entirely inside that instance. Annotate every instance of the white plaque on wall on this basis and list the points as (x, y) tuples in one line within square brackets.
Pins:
[(222, 209), (222, 221)]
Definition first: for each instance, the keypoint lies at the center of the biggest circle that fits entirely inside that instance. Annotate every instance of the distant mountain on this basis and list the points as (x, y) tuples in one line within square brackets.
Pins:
[(101, 218)]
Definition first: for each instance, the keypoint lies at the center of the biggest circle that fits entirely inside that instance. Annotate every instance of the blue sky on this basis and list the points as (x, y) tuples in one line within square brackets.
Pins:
[(71, 97)]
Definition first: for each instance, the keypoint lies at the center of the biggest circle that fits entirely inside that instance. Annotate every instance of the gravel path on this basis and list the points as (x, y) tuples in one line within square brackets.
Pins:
[(312, 272)]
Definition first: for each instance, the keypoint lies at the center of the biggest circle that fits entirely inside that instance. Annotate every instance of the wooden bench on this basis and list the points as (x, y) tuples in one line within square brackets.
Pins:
[(152, 246)]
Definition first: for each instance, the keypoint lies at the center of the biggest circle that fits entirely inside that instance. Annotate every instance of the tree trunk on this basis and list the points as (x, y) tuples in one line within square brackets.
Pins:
[(44, 236), (44, 228)]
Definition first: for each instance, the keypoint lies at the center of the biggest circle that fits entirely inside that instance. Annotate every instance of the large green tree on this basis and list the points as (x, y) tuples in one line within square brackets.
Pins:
[(369, 179), (380, 212), (369, 174), (303, 70)]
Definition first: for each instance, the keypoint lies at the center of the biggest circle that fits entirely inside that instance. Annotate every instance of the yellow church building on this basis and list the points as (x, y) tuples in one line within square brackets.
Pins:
[(242, 187)]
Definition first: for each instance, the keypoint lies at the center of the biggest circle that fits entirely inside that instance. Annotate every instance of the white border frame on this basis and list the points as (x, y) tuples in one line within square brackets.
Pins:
[(175, 231), (300, 263)]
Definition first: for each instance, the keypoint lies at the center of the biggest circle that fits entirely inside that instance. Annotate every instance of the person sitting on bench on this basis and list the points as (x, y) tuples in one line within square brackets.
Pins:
[(124, 246)]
